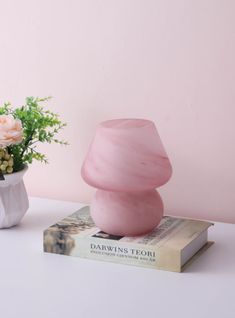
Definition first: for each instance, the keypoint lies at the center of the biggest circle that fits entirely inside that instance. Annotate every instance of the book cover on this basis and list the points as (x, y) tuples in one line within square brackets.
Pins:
[(77, 235)]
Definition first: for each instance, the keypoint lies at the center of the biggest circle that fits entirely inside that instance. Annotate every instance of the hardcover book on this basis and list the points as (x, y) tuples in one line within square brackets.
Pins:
[(170, 246)]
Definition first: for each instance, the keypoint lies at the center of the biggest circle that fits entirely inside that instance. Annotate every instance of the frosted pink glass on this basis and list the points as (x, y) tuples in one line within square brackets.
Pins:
[(126, 155), (126, 161), (127, 214)]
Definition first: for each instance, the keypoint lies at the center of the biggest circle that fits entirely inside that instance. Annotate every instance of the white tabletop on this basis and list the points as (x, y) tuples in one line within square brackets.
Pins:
[(38, 285)]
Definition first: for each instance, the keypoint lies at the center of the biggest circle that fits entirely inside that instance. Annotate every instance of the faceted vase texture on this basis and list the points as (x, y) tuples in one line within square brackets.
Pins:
[(126, 161), (13, 199)]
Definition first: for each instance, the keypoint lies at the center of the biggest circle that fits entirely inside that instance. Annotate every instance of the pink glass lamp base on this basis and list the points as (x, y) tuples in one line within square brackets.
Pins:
[(127, 214)]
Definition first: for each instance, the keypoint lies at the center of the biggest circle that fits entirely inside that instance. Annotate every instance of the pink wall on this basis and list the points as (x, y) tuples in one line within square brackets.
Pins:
[(169, 61)]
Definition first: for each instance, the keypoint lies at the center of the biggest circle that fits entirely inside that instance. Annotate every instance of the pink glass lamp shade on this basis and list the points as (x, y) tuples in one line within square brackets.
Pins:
[(126, 162)]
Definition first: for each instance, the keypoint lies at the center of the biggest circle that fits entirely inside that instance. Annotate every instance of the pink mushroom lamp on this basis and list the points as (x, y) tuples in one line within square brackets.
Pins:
[(126, 161)]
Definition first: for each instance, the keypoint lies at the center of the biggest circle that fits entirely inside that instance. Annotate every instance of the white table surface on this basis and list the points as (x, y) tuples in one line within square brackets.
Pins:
[(34, 284)]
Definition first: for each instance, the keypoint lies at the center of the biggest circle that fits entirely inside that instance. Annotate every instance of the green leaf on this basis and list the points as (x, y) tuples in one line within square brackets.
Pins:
[(40, 125)]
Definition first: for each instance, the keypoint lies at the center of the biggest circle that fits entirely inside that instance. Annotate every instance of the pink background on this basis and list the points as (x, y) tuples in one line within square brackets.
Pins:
[(169, 61)]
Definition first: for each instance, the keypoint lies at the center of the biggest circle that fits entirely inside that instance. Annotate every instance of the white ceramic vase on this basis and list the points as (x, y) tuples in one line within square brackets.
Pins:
[(13, 199)]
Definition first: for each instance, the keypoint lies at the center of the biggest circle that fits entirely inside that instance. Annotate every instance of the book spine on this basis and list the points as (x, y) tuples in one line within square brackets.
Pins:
[(123, 253), (112, 251)]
